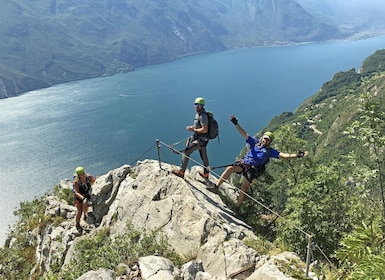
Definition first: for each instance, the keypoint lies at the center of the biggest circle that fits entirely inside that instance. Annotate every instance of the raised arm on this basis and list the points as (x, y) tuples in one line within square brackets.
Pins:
[(299, 155), (241, 131)]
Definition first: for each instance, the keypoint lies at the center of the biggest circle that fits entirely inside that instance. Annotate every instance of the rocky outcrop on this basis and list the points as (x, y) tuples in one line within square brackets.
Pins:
[(195, 221)]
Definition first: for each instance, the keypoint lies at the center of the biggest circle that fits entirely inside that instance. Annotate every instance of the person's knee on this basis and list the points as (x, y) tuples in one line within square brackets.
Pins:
[(230, 169), (188, 152)]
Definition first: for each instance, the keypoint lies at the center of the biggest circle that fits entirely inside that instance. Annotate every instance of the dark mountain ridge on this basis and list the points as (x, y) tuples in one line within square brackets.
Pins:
[(50, 42)]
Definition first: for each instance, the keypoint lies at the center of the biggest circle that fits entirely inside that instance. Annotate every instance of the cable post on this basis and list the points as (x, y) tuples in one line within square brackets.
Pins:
[(309, 251), (158, 150)]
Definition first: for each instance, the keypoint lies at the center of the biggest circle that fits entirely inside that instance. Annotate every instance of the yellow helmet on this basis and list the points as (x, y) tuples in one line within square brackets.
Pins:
[(200, 100), (79, 170), (269, 135)]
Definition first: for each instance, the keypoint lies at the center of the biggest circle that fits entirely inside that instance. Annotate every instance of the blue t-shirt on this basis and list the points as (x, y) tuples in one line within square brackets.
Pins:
[(257, 153)]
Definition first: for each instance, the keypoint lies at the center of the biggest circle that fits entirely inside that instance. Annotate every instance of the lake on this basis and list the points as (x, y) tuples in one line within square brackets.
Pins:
[(104, 123)]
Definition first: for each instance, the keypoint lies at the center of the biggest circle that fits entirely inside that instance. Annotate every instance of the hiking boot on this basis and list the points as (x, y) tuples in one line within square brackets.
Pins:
[(178, 173), (79, 228), (236, 211), (204, 175), (213, 188)]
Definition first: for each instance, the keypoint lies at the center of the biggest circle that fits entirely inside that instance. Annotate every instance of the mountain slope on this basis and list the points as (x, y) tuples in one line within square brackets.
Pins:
[(350, 16), (52, 42)]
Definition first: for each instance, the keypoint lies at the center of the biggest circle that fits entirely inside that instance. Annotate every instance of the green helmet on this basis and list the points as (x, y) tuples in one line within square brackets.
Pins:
[(200, 100), (79, 170), (269, 135)]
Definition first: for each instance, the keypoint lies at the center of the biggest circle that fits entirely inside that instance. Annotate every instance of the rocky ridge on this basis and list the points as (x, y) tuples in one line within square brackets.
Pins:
[(195, 221)]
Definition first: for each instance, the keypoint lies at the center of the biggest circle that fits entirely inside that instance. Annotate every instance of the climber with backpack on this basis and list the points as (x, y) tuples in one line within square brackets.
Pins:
[(82, 187), (253, 164), (199, 140)]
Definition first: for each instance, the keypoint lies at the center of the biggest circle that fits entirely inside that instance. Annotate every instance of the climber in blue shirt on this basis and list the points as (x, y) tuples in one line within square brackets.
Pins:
[(254, 162)]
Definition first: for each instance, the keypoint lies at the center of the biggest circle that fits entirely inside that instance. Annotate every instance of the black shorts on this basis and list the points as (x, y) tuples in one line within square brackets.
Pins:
[(248, 170)]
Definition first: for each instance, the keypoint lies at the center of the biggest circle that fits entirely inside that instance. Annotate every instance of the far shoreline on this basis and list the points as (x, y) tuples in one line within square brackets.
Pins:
[(355, 37)]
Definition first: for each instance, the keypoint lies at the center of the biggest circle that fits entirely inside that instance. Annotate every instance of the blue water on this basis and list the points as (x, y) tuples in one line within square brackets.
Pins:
[(104, 123)]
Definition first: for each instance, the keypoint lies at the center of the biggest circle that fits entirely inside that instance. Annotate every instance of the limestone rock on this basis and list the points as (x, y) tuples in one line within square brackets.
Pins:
[(100, 274), (191, 269), (105, 190), (196, 223), (187, 213), (156, 268), (269, 269)]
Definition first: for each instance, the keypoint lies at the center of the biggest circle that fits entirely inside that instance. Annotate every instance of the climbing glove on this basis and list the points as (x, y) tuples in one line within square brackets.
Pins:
[(300, 154), (234, 120)]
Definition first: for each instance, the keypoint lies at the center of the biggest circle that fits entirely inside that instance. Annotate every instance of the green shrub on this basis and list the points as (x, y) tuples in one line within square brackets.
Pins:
[(108, 252), (18, 261)]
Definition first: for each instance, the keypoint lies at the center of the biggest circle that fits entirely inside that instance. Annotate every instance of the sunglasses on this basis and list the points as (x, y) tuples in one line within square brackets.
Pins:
[(198, 104)]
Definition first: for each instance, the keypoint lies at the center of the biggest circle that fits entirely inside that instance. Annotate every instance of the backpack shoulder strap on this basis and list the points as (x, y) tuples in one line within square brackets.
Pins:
[(204, 112), (88, 182)]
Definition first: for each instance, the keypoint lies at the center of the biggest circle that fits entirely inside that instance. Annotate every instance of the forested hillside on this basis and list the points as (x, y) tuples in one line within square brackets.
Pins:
[(337, 194)]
